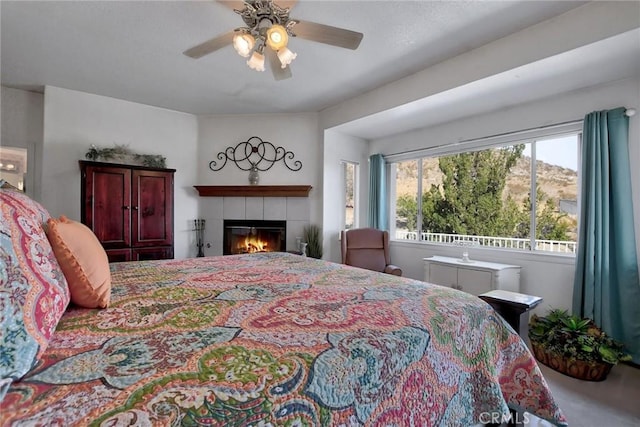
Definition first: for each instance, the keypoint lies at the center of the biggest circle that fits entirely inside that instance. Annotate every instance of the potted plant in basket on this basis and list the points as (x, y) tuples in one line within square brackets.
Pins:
[(574, 346)]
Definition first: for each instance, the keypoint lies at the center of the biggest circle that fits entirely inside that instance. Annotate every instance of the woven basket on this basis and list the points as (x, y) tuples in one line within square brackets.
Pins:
[(587, 371)]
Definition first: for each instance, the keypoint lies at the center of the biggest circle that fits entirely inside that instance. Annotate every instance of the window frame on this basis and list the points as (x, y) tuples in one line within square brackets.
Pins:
[(356, 193), (528, 136)]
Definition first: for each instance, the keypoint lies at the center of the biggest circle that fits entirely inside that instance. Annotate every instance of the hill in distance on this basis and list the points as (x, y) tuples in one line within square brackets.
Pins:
[(557, 182)]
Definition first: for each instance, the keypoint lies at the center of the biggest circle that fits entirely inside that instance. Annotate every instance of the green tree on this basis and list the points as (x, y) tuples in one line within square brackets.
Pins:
[(550, 224), (469, 201), (407, 212)]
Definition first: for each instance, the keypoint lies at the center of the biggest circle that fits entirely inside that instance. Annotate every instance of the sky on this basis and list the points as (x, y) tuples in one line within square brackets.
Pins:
[(557, 151)]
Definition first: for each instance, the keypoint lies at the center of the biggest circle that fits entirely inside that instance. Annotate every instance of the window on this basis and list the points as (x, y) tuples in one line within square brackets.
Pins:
[(13, 166), (350, 202), (483, 196)]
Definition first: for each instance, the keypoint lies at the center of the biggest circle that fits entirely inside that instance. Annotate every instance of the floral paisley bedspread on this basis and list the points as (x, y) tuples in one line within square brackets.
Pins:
[(278, 339)]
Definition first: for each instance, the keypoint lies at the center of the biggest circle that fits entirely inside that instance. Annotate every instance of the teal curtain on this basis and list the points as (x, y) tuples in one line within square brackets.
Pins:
[(606, 287), (378, 206)]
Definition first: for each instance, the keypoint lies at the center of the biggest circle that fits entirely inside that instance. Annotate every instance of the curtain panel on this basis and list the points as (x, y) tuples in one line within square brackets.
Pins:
[(378, 206), (606, 286)]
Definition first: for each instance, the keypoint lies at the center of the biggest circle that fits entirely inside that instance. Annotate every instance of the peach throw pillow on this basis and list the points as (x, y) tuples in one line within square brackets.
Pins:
[(83, 261)]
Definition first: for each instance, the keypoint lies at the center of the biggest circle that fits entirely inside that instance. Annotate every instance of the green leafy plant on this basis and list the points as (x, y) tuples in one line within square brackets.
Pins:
[(573, 337), (124, 153), (151, 160), (312, 234), (109, 153)]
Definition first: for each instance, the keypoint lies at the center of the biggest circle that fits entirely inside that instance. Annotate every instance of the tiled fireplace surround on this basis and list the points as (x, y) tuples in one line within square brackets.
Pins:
[(294, 210)]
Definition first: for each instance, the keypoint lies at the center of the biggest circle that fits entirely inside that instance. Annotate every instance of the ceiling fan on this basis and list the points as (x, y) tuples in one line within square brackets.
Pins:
[(267, 31)]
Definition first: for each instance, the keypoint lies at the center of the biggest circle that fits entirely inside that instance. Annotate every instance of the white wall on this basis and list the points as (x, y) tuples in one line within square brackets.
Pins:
[(298, 133), (21, 115), (546, 276), (74, 120), (339, 147)]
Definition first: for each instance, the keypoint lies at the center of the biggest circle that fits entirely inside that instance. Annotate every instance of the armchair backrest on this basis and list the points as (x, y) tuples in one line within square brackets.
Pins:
[(365, 248)]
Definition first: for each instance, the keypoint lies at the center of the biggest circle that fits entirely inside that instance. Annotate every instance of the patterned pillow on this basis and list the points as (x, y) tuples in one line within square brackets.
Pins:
[(33, 290)]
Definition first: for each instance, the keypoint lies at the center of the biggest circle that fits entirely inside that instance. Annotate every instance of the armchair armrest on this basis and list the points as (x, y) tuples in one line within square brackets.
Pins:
[(393, 269)]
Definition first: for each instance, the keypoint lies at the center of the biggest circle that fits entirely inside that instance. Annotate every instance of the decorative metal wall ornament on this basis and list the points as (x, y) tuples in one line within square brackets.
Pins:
[(255, 155)]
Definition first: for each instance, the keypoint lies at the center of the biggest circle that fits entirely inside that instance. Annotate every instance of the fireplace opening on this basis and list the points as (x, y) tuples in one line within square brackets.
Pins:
[(250, 236)]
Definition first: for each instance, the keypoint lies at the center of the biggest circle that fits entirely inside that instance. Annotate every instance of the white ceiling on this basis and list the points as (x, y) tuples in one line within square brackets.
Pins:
[(133, 50), (604, 61)]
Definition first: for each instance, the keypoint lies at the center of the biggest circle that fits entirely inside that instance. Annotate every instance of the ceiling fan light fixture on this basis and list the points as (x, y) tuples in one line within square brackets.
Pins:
[(256, 62), (286, 56), (269, 26), (243, 43), (277, 37)]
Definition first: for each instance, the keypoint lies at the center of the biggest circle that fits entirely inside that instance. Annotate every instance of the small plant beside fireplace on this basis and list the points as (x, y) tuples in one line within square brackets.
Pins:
[(312, 235)]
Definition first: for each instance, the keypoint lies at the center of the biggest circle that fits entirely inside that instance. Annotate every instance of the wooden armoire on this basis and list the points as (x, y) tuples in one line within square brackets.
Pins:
[(129, 208)]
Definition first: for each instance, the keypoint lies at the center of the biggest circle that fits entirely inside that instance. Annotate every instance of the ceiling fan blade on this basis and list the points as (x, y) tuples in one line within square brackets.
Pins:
[(279, 73), (327, 34), (210, 46), (239, 4), (232, 4), (286, 3)]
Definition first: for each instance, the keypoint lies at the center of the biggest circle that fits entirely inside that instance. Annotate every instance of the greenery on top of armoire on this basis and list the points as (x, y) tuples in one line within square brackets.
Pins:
[(122, 153)]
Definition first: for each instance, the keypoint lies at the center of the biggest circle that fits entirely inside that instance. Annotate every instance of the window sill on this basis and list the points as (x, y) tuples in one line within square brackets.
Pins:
[(484, 253)]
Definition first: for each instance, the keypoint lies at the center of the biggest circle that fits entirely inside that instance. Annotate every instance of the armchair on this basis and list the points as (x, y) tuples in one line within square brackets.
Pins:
[(367, 248)]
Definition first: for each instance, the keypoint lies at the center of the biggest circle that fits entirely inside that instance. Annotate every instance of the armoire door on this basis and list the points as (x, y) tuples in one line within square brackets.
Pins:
[(107, 205), (152, 253), (152, 208), (119, 255)]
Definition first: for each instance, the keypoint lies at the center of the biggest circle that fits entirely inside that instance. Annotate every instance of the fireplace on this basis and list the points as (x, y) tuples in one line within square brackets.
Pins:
[(249, 236)]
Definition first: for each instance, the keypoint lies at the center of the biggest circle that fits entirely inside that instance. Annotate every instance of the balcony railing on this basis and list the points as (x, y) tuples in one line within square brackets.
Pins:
[(561, 246)]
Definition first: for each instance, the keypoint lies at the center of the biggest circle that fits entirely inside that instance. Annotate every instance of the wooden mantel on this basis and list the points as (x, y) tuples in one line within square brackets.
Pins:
[(253, 190)]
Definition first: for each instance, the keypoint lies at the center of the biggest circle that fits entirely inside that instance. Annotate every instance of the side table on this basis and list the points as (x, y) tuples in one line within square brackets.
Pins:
[(513, 307)]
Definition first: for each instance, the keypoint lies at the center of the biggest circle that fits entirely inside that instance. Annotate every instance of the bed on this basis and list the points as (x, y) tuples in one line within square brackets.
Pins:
[(274, 339)]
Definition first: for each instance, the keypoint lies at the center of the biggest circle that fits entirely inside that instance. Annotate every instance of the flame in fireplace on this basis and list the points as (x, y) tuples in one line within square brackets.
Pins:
[(252, 244), (247, 237)]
